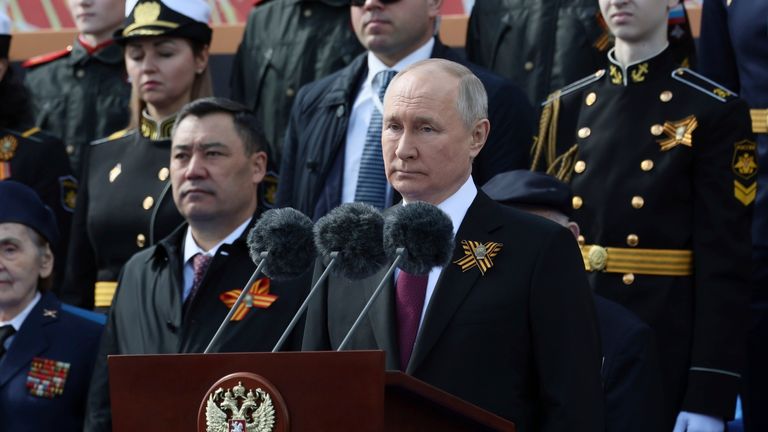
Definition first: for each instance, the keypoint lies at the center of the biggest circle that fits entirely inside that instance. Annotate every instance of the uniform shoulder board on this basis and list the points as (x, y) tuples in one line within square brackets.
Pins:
[(30, 132), (116, 135), (47, 58), (86, 314), (572, 87), (703, 84)]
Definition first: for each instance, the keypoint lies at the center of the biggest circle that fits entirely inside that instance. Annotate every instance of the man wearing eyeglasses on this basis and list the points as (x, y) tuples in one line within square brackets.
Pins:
[(332, 148)]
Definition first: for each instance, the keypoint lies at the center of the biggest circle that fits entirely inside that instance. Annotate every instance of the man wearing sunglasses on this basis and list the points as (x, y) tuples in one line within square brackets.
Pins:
[(332, 148)]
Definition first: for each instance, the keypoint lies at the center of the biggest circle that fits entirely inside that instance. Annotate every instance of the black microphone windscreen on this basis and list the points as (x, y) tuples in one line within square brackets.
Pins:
[(425, 232), (355, 231), (286, 234)]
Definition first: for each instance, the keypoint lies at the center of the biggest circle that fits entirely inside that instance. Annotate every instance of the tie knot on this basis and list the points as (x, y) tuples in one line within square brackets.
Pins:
[(200, 263), (384, 78)]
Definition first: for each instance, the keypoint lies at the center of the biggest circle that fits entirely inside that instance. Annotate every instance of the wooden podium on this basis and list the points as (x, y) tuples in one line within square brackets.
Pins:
[(311, 391)]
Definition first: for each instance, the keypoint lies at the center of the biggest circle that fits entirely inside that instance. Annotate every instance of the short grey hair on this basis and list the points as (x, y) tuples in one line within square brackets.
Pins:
[(472, 102)]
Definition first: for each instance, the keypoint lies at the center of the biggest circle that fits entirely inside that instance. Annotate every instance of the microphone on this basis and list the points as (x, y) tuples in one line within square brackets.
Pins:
[(417, 237), (281, 245), (350, 236)]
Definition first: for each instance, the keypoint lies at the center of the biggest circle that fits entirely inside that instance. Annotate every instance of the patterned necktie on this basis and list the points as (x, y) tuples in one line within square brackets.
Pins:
[(6, 331), (371, 179), (200, 263), (409, 302)]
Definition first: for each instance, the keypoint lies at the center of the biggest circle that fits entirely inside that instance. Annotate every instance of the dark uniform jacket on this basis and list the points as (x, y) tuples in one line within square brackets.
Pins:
[(79, 97), (662, 165), (313, 152), (39, 161), (125, 204), (288, 43), (520, 340), (147, 318), (52, 332)]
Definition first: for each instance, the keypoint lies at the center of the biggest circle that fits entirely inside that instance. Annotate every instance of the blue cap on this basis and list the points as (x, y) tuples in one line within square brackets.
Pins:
[(20, 204), (523, 187)]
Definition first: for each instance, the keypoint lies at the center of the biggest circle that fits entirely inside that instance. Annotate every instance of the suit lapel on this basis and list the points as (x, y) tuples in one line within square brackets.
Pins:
[(453, 285), (30, 341), (380, 317)]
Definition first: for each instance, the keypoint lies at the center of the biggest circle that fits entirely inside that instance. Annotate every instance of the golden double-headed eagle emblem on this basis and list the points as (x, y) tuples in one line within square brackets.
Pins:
[(239, 410)]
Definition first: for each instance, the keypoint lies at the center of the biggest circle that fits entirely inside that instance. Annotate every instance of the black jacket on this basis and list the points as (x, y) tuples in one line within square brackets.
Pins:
[(146, 316), (310, 178)]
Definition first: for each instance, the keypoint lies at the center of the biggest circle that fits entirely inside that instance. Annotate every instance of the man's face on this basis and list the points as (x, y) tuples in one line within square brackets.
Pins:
[(21, 264), (213, 179), (394, 30), (427, 148), (636, 20), (97, 17)]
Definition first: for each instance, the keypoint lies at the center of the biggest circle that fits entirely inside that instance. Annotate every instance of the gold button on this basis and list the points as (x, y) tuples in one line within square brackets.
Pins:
[(665, 96), (628, 278), (580, 166), (633, 240), (591, 98), (289, 92), (147, 204), (638, 202), (580, 239), (646, 165), (657, 129), (70, 149), (584, 132), (577, 202), (528, 66), (80, 73), (307, 13), (141, 240), (163, 174)]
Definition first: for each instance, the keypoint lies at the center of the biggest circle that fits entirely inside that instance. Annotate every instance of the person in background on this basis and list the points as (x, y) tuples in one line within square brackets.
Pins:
[(81, 93), (630, 368), (30, 156), (662, 164), (125, 202), (734, 51), (47, 348)]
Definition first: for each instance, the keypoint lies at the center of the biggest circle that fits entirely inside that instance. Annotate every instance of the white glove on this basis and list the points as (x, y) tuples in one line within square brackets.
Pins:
[(692, 422)]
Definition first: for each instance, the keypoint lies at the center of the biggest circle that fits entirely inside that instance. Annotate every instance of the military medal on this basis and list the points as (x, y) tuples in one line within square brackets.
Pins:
[(258, 296), (478, 255), (678, 132), (47, 377), (8, 146)]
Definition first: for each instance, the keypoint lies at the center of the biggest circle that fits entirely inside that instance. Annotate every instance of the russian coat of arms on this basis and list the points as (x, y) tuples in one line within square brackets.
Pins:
[(238, 409)]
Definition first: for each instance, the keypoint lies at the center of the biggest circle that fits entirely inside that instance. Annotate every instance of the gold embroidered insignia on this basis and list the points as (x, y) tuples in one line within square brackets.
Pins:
[(723, 93), (258, 296), (8, 145), (744, 163), (146, 12), (478, 255), (678, 132), (46, 377), (50, 313), (638, 74), (68, 186), (268, 189), (616, 76), (114, 172), (239, 410), (745, 194)]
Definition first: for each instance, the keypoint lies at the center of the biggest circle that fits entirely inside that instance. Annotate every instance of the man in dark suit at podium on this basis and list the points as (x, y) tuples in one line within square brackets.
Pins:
[(519, 339)]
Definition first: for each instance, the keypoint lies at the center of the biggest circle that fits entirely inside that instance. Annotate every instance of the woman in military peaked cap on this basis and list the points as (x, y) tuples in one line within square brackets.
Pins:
[(125, 202)]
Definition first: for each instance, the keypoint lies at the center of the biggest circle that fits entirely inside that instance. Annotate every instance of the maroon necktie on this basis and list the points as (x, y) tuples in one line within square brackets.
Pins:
[(409, 302), (200, 263)]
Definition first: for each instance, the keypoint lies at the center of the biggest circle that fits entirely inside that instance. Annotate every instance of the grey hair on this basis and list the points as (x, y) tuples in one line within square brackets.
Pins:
[(472, 102)]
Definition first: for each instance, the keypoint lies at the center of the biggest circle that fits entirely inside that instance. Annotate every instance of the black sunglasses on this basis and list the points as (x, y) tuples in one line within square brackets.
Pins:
[(359, 3)]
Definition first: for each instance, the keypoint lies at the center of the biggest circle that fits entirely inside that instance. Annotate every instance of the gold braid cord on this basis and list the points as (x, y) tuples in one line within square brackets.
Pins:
[(558, 166)]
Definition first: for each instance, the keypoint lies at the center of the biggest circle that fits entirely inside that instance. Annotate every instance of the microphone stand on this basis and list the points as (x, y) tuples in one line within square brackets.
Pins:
[(246, 291), (334, 255), (400, 251)]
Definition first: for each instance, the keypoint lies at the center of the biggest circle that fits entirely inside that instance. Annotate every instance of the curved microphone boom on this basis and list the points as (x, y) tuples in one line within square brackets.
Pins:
[(281, 245), (350, 236), (417, 237)]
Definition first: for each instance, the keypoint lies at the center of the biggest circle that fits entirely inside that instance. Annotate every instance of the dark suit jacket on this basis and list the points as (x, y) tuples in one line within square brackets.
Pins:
[(313, 150), (520, 341), (51, 331)]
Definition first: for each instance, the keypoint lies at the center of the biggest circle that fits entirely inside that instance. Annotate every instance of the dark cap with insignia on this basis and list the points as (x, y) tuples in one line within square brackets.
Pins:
[(22, 205), (179, 18), (5, 35), (529, 188)]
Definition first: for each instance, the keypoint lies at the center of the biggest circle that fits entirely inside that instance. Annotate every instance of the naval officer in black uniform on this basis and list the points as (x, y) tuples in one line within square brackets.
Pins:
[(663, 166), (125, 203)]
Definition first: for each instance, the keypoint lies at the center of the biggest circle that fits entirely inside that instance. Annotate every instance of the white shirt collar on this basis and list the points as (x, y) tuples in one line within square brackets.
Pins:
[(375, 65), (456, 205), (18, 320), (191, 248)]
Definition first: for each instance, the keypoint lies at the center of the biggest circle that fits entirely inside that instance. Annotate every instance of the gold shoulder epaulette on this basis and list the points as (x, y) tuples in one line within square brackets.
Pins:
[(572, 87), (703, 84), (29, 132), (113, 136)]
